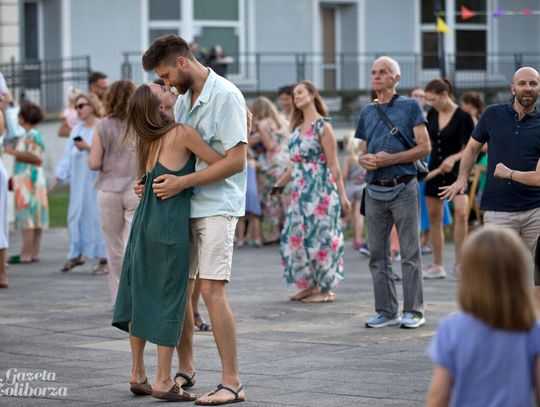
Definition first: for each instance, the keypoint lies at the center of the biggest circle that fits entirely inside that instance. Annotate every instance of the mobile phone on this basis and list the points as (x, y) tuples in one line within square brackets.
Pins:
[(77, 138)]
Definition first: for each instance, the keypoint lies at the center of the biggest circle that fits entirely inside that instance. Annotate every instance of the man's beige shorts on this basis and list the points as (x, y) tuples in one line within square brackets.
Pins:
[(211, 247)]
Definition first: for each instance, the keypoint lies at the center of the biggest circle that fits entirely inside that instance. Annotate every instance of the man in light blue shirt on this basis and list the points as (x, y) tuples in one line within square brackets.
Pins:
[(217, 110)]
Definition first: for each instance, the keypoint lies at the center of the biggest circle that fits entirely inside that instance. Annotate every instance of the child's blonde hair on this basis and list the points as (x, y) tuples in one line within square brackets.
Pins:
[(351, 145), (494, 284)]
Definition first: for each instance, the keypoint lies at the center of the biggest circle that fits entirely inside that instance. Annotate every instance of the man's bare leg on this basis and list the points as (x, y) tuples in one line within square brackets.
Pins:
[(186, 363), (224, 328)]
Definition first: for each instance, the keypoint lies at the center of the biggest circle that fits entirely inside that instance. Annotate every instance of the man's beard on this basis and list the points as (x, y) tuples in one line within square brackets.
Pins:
[(527, 103), (185, 81)]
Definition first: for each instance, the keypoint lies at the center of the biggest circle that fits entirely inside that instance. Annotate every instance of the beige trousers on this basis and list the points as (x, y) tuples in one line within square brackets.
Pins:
[(116, 210)]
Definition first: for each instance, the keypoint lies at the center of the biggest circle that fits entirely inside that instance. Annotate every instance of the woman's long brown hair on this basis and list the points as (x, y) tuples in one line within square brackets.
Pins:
[(297, 115), (145, 124)]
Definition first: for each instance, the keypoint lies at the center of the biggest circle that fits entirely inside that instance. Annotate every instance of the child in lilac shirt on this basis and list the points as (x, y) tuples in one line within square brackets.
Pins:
[(489, 354)]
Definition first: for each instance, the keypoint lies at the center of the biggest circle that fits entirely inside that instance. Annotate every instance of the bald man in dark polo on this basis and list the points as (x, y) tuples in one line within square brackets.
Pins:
[(512, 132)]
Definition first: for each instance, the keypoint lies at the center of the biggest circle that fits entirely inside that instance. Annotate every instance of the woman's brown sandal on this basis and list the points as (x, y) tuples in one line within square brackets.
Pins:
[(71, 264)]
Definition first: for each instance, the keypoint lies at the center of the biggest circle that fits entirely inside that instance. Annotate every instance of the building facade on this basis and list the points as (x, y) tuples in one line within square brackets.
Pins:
[(274, 42)]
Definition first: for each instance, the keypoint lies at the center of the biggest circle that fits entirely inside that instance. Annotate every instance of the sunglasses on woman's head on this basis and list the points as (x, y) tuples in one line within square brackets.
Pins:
[(81, 105)]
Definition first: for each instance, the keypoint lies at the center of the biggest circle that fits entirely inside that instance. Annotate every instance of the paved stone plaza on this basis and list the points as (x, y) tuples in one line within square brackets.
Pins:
[(290, 354)]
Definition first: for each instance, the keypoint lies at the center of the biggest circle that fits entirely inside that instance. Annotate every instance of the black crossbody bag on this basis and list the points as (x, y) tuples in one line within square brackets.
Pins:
[(421, 164)]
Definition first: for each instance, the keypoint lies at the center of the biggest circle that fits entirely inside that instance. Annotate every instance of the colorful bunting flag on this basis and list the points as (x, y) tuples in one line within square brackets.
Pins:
[(441, 26), (527, 11), (467, 14), (498, 12)]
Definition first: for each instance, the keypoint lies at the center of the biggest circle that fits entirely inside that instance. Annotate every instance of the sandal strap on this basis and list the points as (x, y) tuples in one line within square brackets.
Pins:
[(189, 380), (222, 387)]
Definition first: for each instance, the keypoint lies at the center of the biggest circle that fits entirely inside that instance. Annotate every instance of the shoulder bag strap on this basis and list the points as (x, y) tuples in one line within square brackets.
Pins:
[(394, 131)]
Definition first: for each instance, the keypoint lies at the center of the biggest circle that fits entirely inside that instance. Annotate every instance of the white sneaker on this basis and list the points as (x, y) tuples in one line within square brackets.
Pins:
[(426, 249), (434, 271)]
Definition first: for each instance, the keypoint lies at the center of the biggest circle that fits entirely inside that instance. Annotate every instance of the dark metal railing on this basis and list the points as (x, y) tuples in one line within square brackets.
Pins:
[(264, 72), (47, 81)]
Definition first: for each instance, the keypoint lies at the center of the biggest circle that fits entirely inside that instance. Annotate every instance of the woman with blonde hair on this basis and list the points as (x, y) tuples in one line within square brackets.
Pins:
[(153, 288), (83, 216), (115, 162), (489, 353), (312, 240), (270, 131)]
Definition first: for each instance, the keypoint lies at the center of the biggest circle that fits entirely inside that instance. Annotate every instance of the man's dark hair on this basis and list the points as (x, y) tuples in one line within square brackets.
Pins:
[(31, 113), (165, 49), (287, 89), (95, 76), (159, 81)]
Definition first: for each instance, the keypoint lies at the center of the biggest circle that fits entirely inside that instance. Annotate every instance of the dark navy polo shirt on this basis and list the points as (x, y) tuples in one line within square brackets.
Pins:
[(516, 144), (405, 114)]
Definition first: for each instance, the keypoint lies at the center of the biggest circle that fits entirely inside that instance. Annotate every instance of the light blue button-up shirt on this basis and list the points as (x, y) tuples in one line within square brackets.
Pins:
[(219, 115)]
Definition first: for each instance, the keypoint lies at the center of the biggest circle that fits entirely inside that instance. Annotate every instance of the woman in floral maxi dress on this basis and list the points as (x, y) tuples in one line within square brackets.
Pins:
[(29, 185), (312, 240)]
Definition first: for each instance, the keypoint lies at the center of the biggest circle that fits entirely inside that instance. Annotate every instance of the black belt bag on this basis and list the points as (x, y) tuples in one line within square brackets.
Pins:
[(421, 164)]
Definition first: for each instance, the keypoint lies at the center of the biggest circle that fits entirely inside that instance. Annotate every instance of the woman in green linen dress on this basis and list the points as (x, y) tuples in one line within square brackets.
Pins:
[(153, 284)]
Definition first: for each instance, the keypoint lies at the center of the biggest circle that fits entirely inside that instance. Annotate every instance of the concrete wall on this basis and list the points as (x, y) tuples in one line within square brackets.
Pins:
[(518, 33), (52, 30), (9, 30), (281, 26), (104, 29), (390, 26)]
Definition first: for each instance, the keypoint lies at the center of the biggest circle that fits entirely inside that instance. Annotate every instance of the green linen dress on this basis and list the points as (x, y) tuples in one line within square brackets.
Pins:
[(153, 285)]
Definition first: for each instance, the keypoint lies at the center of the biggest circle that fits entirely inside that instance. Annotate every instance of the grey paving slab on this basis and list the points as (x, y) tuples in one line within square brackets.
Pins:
[(290, 354)]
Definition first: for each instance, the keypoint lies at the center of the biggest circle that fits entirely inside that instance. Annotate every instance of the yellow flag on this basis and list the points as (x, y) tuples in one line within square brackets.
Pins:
[(441, 26)]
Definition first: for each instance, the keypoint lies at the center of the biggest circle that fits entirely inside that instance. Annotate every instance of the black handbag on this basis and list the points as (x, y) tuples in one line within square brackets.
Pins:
[(420, 164)]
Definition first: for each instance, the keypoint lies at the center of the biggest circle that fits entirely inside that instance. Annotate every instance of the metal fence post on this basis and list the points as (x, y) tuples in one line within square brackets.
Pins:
[(258, 71), (518, 61), (300, 67), (126, 71)]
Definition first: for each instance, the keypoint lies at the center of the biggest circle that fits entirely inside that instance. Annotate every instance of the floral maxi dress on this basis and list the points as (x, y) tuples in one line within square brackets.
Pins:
[(312, 241), (29, 185)]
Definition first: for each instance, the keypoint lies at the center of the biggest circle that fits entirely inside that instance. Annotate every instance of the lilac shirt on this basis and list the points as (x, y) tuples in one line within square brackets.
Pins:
[(490, 367)]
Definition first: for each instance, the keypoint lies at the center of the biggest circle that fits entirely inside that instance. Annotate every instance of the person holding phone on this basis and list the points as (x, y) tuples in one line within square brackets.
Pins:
[(83, 217)]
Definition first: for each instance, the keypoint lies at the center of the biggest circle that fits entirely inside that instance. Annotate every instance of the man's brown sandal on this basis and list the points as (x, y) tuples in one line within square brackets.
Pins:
[(141, 389)]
